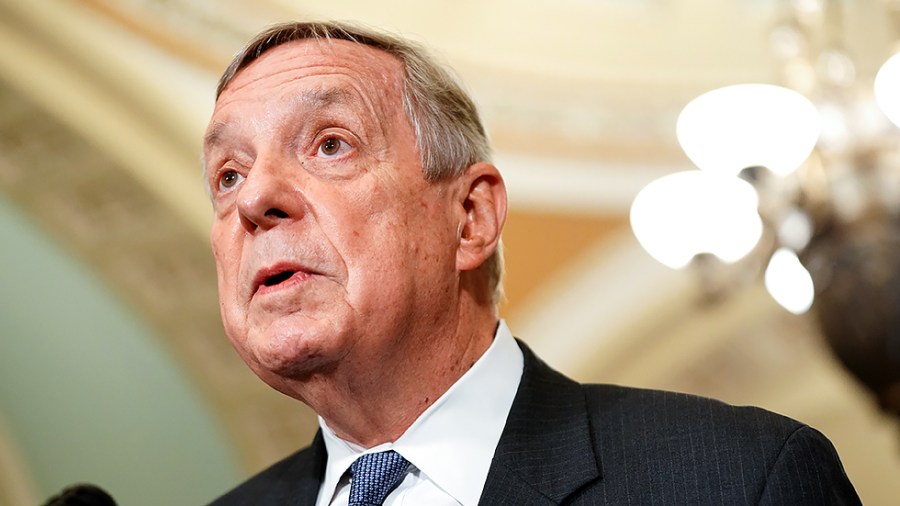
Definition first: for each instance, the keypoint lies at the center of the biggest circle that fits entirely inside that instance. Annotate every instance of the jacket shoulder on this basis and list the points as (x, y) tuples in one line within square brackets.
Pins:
[(701, 450), (673, 413)]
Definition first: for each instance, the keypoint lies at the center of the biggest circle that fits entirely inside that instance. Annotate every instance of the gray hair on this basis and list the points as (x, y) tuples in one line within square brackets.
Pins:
[(449, 133)]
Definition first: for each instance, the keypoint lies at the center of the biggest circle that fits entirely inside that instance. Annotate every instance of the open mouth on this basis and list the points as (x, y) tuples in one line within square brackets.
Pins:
[(278, 278)]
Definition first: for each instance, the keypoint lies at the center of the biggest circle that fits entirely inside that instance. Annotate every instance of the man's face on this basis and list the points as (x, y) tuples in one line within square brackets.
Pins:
[(330, 246)]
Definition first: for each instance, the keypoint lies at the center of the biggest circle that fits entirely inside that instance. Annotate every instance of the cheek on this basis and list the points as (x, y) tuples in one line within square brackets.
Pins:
[(383, 230), (355, 221), (373, 249), (396, 245), (226, 250)]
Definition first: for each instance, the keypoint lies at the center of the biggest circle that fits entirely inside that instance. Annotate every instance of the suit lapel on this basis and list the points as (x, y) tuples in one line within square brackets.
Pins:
[(295, 480), (310, 469), (546, 450)]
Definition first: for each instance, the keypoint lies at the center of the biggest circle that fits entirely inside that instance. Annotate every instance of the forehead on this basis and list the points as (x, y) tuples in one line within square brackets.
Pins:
[(289, 63)]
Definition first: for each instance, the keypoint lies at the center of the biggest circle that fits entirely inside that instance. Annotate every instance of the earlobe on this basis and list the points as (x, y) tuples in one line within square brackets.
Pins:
[(483, 204)]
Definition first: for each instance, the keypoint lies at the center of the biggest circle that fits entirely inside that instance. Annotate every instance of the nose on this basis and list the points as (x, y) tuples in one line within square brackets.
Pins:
[(268, 197)]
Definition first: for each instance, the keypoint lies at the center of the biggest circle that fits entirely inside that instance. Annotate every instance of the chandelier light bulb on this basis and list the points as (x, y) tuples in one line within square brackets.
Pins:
[(795, 230), (679, 216), (887, 88), (788, 282), (745, 125)]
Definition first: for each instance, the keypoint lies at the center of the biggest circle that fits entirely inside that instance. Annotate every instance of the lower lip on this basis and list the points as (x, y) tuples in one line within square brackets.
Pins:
[(296, 279)]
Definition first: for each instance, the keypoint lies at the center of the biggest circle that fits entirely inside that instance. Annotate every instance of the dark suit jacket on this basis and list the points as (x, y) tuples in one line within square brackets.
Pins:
[(566, 443)]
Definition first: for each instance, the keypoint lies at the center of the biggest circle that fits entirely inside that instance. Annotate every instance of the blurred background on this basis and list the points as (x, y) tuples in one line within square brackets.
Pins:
[(113, 365)]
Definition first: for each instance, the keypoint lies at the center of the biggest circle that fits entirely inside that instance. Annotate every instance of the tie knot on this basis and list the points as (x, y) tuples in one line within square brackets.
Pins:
[(374, 476)]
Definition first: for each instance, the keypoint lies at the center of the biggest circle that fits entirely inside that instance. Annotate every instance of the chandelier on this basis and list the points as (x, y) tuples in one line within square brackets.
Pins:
[(798, 184)]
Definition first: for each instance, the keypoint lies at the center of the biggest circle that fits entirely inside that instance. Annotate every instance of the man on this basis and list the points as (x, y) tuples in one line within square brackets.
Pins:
[(356, 235)]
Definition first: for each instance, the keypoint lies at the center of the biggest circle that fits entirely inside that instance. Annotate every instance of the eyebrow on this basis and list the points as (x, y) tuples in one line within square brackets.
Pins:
[(310, 99), (214, 135)]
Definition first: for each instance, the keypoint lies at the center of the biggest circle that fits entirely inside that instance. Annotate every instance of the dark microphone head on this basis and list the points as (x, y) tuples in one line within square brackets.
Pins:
[(82, 494)]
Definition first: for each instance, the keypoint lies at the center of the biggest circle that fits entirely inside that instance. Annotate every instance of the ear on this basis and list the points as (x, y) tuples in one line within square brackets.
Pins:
[(482, 212)]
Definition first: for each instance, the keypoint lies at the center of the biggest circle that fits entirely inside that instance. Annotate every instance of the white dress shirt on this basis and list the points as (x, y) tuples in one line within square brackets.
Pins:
[(450, 445)]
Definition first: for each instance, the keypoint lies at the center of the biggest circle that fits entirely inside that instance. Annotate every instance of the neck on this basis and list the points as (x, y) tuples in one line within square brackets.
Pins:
[(374, 402)]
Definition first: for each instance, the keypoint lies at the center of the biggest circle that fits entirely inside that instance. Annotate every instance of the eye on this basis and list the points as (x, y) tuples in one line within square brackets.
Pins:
[(229, 179), (332, 146)]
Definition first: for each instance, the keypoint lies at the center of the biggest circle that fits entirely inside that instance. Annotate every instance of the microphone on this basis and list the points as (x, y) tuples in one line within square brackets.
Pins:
[(81, 494)]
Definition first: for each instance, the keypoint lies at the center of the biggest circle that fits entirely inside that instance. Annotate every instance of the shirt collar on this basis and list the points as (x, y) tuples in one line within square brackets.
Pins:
[(453, 441)]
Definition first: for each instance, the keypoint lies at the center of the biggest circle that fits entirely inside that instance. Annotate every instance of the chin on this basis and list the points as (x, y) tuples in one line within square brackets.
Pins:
[(291, 353), (293, 365)]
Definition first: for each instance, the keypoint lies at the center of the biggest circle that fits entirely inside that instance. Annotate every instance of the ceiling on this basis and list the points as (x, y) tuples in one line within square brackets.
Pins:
[(108, 316)]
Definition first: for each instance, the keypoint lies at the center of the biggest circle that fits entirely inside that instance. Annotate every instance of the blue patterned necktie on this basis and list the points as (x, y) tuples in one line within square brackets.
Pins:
[(374, 476)]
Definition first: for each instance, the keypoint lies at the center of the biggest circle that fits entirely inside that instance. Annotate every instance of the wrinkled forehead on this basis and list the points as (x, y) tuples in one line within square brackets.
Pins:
[(309, 57), (308, 82)]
